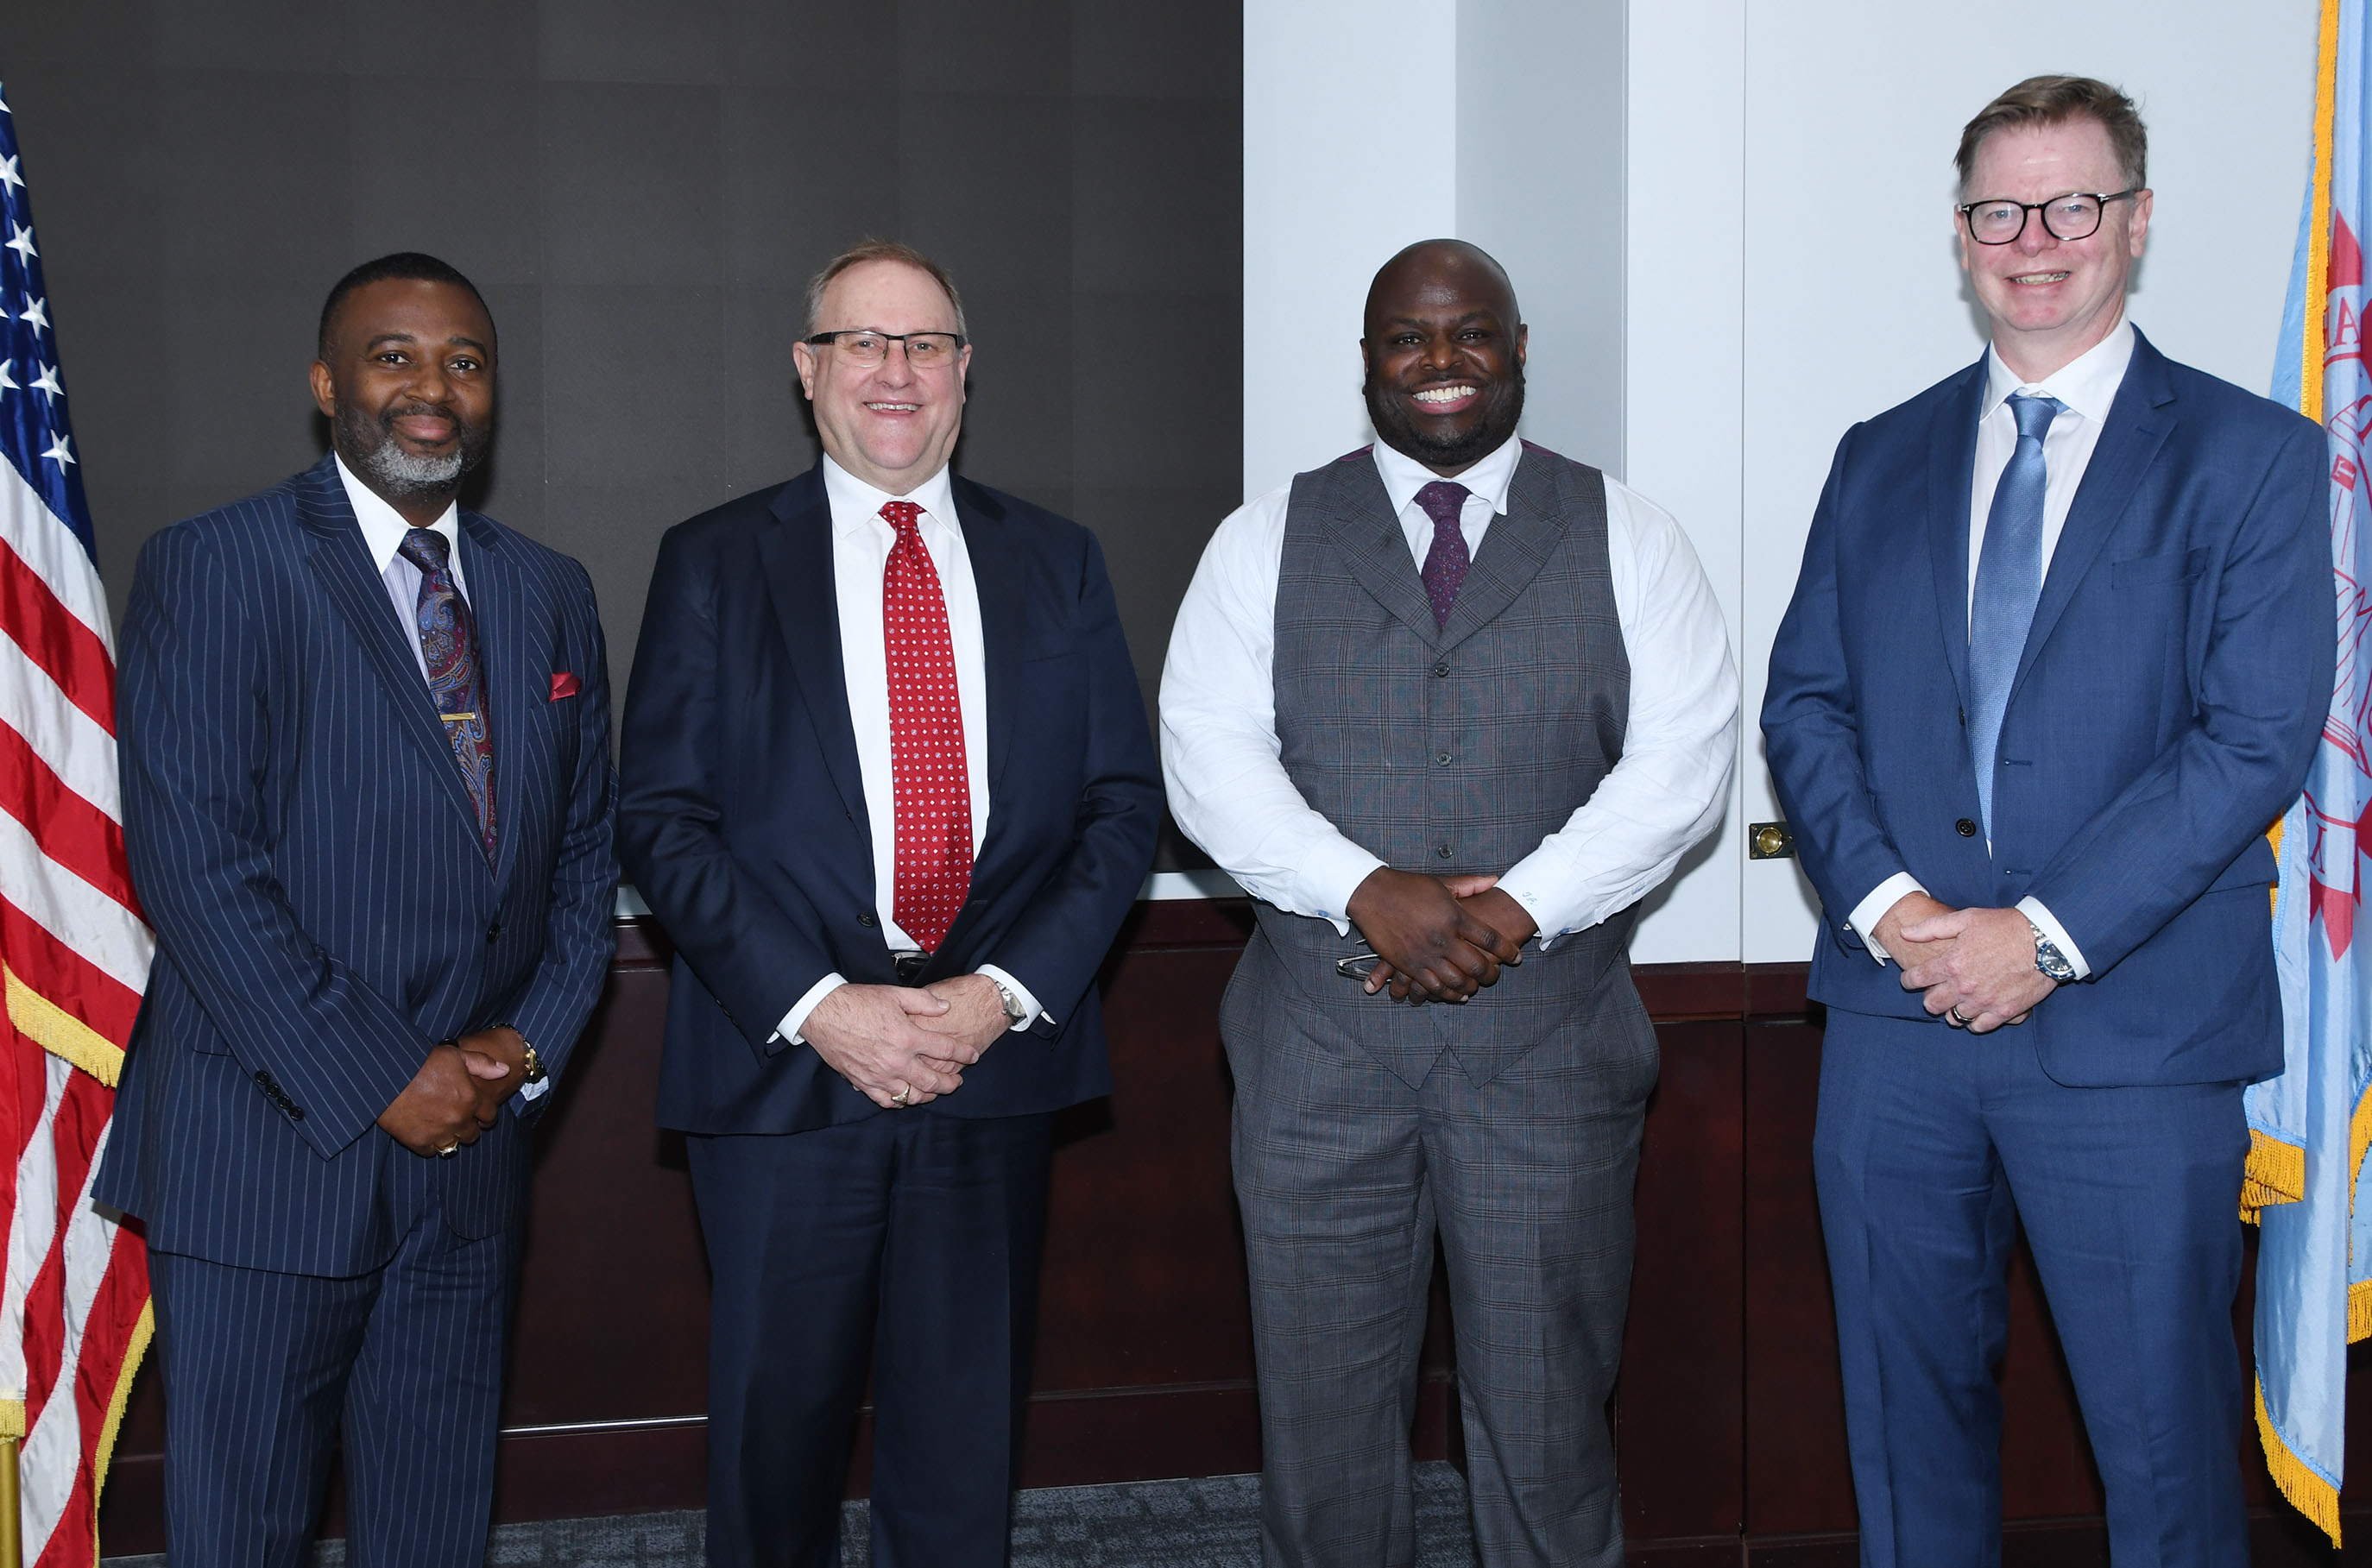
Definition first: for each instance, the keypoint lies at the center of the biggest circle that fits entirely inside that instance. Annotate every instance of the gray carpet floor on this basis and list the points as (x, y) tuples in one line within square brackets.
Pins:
[(1213, 1523)]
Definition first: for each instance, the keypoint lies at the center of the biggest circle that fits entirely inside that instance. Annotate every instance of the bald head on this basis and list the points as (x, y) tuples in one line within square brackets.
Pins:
[(1445, 356), (1443, 265)]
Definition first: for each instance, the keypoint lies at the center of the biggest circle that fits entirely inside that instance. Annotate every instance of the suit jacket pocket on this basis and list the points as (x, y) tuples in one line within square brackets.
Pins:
[(2148, 571)]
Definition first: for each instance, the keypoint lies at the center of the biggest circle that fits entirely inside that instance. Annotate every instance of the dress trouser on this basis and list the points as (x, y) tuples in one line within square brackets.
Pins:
[(1933, 1146), (262, 1368), (1345, 1173), (906, 1244)]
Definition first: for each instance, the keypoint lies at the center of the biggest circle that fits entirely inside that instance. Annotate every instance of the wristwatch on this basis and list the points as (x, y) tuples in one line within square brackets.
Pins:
[(2054, 963), (1014, 1010)]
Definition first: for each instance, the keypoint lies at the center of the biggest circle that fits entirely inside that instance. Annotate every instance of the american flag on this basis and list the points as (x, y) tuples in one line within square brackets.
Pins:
[(73, 949)]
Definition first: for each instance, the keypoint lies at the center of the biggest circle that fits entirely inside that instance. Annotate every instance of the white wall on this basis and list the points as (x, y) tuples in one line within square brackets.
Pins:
[(1783, 264), (1350, 151)]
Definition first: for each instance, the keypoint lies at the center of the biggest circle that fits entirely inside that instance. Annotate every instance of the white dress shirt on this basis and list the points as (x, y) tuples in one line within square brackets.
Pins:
[(2086, 386), (861, 539), (383, 530), (1220, 752)]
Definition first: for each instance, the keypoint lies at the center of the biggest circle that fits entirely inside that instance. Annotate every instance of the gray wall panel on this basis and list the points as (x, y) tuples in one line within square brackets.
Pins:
[(642, 191)]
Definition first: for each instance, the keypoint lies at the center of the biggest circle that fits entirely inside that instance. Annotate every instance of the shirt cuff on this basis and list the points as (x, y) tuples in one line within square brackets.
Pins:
[(1863, 922), (1030, 1011), (1330, 875), (797, 1019), (2034, 910)]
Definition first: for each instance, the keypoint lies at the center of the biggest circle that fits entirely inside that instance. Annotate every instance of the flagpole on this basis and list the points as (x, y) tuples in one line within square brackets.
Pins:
[(12, 1543)]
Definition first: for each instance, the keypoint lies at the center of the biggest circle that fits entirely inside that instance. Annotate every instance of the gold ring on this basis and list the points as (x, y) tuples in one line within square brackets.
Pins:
[(904, 1090), (452, 1148)]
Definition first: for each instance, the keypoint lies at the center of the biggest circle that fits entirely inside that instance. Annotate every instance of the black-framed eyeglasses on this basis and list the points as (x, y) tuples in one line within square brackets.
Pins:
[(2076, 215), (863, 346)]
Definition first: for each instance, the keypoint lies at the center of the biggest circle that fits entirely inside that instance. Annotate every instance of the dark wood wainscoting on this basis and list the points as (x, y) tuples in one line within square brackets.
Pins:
[(1729, 1424)]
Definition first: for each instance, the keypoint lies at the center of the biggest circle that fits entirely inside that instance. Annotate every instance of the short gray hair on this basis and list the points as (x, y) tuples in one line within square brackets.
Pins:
[(865, 250)]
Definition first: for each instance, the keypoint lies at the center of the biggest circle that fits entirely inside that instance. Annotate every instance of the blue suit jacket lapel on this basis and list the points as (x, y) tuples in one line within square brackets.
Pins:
[(796, 552), (334, 552), (2138, 424), (999, 578), (1954, 440), (498, 604)]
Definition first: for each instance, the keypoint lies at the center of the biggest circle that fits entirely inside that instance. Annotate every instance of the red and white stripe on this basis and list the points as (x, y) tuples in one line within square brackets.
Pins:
[(74, 959)]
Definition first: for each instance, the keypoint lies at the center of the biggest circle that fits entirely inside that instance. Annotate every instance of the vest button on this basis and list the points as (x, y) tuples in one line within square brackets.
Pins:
[(1441, 759), (1442, 850), (1441, 669), (1965, 827)]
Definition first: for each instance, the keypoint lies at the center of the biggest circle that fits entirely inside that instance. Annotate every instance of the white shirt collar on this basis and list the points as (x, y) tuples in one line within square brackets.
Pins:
[(384, 527), (2086, 384), (855, 502), (1403, 476)]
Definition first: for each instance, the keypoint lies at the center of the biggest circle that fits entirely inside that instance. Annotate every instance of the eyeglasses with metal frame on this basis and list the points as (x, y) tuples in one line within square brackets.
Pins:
[(2076, 215), (863, 346)]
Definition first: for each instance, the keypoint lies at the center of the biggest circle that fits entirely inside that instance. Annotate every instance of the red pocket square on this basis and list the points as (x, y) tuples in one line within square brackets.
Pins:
[(562, 685)]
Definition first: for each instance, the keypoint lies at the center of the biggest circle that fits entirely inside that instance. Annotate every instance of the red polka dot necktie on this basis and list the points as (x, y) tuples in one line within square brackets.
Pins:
[(927, 774)]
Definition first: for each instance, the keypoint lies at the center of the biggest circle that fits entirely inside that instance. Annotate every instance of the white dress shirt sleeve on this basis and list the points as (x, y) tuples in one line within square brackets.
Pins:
[(1680, 741), (1220, 756), (1872, 908)]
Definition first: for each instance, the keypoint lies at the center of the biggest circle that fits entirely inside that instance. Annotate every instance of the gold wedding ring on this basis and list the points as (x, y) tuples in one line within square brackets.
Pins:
[(904, 1092)]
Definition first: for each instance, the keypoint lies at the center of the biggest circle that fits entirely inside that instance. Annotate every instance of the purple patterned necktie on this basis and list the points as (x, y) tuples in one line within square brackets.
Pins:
[(1445, 562), (449, 639)]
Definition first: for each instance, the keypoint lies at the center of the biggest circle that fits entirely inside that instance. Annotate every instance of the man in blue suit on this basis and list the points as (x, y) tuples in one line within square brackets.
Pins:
[(889, 786), (2060, 650), (366, 798)]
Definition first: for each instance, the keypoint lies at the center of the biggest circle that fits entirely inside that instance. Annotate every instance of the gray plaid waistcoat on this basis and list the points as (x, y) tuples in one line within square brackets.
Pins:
[(1452, 748)]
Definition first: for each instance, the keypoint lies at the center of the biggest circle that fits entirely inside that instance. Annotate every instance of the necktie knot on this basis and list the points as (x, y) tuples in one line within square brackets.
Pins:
[(2033, 414), (904, 516), (1443, 501), (426, 549)]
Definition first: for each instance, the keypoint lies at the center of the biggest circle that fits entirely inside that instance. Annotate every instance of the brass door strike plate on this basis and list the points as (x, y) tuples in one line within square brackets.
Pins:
[(1768, 841)]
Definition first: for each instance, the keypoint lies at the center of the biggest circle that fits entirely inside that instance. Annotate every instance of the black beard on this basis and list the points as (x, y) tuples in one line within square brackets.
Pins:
[(368, 445), (1503, 408)]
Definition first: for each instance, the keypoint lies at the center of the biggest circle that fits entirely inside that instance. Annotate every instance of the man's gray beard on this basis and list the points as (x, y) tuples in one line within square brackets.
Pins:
[(399, 471)]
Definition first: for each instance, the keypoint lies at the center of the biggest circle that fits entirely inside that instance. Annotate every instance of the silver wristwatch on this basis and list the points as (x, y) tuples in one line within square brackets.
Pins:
[(1014, 1010), (2054, 963)]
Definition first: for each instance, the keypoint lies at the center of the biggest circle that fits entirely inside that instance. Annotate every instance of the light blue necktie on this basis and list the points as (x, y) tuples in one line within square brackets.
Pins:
[(2009, 579)]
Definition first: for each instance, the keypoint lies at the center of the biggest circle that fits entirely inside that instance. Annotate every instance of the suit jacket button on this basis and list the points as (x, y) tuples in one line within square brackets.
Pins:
[(493, 930), (867, 922), (1444, 850), (1965, 827), (1441, 669)]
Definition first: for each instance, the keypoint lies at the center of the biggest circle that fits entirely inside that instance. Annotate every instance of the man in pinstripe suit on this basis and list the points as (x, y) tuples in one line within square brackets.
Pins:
[(367, 797)]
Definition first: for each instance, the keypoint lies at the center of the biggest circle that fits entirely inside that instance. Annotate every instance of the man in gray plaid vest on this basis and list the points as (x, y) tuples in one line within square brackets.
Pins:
[(1447, 708)]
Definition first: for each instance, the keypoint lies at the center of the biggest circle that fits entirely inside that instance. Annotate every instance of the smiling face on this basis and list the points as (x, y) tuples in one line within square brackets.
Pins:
[(408, 382), (1445, 356), (2050, 299), (888, 424)]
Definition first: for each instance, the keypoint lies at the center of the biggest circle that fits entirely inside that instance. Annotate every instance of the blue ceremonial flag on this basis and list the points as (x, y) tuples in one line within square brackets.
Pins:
[(2309, 1129)]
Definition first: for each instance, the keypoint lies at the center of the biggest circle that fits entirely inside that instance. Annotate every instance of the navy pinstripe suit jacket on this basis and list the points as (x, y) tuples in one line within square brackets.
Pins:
[(305, 847)]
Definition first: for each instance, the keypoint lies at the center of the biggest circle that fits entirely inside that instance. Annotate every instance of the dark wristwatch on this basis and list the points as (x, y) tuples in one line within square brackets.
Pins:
[(2048, 958)]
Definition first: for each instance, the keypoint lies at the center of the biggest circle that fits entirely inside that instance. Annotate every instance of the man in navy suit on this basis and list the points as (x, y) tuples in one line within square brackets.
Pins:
[(889, 786), (366, 798), (2059, 652)]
